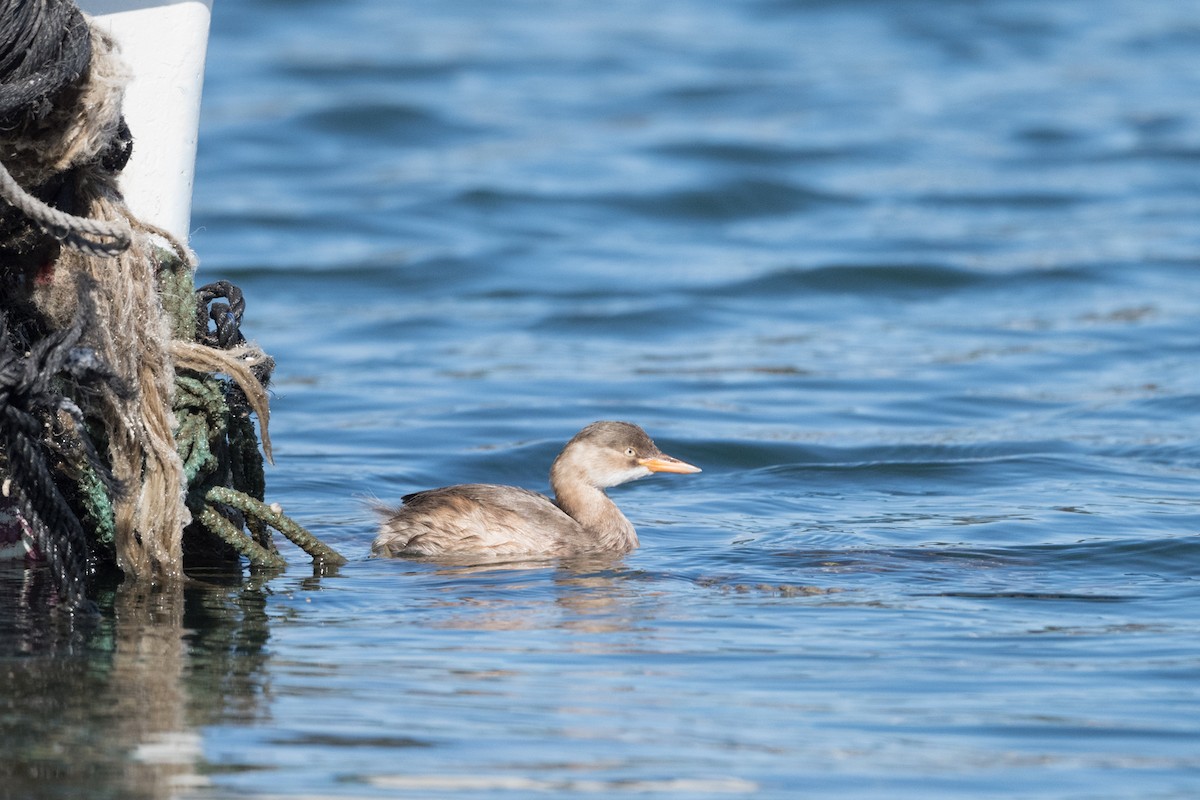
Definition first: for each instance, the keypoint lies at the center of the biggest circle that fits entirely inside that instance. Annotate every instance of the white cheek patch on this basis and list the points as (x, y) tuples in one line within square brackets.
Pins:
[(631, 474)]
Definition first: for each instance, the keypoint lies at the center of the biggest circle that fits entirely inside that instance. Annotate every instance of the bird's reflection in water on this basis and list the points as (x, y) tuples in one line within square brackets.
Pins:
[(589, 593)]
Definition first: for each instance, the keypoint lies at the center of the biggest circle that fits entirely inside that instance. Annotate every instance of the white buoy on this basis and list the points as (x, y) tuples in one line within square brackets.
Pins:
[(164, 43)]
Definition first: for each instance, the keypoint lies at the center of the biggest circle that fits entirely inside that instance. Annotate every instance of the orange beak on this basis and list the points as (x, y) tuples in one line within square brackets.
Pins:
[(664, 463)]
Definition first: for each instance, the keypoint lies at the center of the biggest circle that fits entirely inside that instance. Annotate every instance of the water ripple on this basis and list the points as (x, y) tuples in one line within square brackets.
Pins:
[(919, 296)]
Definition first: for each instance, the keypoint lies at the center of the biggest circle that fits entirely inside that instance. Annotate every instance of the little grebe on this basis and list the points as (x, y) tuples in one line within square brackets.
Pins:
[(479, 518)]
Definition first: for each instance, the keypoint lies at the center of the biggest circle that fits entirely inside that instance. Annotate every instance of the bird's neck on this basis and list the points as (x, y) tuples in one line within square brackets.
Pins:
[(596, 513)]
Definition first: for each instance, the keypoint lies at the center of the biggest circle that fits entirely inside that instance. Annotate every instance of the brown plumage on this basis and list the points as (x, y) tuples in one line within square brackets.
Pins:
[(480, 518)]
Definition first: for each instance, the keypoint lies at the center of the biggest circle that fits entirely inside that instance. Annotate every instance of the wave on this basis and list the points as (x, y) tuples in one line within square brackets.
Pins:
[(896, 279)]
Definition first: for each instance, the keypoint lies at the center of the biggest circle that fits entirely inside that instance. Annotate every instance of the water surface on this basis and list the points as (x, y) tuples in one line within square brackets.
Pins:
[(915, 282)]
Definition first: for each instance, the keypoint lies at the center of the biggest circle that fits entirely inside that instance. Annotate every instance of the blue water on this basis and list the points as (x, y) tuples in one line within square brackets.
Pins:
[(916, 283)]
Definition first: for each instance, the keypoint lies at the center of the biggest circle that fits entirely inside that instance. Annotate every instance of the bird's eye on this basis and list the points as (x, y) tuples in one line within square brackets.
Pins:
[(629, 451)]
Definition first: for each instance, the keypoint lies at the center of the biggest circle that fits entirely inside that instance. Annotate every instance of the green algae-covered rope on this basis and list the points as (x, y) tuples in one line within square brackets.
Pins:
[(277, 520), (199, 410), (217, 441), (219, 525)]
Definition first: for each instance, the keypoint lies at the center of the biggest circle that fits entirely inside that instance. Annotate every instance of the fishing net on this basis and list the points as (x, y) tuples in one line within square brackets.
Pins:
[(127, 395)]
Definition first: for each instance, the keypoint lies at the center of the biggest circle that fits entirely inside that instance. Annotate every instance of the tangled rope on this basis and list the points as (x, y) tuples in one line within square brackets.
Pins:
[(32, 403), (217, 438), (119, 439), (45, 47)]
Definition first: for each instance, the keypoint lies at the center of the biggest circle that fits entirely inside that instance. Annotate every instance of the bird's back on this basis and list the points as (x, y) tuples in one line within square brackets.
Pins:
[(476, 518)]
